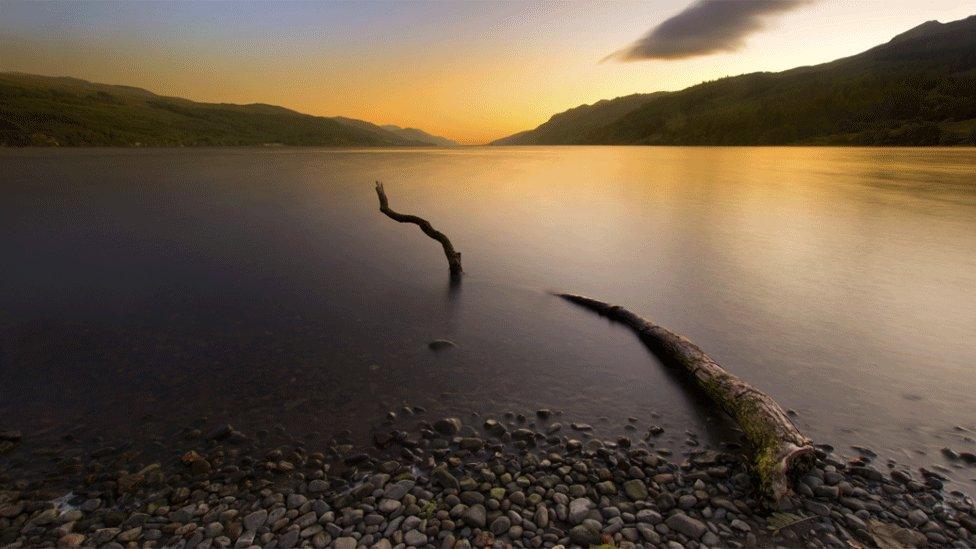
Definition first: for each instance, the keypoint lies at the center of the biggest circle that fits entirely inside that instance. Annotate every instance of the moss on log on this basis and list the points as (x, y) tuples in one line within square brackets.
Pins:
[(778, 447), (453, 257)]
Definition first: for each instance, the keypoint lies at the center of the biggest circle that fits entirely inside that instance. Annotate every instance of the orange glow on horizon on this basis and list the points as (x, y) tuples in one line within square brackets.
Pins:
[(469, 72)]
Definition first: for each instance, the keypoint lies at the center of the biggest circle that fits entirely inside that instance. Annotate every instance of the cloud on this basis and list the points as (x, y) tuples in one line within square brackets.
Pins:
[(706, 27)]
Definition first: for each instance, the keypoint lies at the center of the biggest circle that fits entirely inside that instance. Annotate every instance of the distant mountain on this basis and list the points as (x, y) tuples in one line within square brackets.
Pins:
[(43, 110), (420, 135), (409, 134), (564, 128), (917, 89)]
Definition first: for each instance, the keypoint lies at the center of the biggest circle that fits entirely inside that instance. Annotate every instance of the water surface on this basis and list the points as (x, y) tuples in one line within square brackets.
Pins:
[(143, 290)]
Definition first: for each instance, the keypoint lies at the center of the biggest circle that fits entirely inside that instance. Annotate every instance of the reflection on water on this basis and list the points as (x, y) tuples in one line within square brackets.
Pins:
[(264, 287)]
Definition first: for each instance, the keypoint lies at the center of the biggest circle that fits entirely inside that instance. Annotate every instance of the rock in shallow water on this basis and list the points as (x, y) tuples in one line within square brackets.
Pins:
[(471, 444), (11, 436), (441, 345), (449, 426), (445, 479)]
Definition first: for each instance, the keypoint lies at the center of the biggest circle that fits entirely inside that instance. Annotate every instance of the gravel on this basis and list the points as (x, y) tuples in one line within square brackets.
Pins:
[(447, 484)]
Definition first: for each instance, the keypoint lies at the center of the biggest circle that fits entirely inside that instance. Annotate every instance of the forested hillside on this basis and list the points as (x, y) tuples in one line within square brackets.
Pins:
[(917, 89), (40, 110)]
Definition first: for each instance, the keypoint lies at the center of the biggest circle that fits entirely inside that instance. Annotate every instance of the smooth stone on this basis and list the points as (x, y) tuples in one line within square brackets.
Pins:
[(471, 444), (71, 540), (578, 509), (415, 538), (741, 525), (448, 426), (585, 536), (288, 539), (441, 344), (398, 489), (388, 506), (917, 517), (495, 428), (500, 525), (541, 517), (475, 516), (649, 515), (130, 535), (445, 479), (635, 489), (255, 520), (693, 528)]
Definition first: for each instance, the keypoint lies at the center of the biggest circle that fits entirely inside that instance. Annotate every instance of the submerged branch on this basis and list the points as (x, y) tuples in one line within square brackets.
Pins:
[(453, 257), (778, 446)]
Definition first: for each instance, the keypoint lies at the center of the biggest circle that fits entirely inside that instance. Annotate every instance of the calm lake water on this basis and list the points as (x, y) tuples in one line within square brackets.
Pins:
[(142, 290)]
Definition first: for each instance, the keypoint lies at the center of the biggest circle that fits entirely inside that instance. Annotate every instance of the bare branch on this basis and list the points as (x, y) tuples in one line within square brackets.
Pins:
[(453, 257)]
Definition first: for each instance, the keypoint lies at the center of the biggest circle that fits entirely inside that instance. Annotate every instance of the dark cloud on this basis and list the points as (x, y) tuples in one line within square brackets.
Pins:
[(705, 27)]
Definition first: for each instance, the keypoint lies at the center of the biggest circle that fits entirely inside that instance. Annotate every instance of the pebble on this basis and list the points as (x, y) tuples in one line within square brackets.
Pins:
[(130, 535), (448, 426), (415, 538), (500, 525), (584, 535), (442, 484), (635, 489), (578, 509), (255, 520), (475, 516), (71, 540), (441, 344), (917, 517), (693, 528)]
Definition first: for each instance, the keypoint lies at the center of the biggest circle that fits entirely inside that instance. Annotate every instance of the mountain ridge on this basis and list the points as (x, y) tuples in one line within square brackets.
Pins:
[(42, 110), (417, 134), (919, 88)]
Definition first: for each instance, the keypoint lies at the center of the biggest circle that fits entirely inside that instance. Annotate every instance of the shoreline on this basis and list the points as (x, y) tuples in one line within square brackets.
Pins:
[(533, 479)]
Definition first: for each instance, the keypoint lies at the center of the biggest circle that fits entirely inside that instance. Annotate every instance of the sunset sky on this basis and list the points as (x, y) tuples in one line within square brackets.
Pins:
[(471, 71)]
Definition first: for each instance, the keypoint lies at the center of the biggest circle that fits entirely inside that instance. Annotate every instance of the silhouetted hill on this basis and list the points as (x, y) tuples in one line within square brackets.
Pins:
[(42, 110), (917, 89), (565, 127), (420, 135), (410, 134)]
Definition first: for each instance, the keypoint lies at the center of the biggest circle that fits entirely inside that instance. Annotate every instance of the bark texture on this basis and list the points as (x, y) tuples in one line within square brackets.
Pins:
[(453, 257), (778, 447)]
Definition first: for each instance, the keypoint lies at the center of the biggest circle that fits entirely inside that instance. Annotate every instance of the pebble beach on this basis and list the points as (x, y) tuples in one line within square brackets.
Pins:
[(532, 479)]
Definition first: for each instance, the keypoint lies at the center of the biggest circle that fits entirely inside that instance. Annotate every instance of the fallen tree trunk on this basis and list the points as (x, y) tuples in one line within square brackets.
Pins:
[(778, 447), (453, 257)]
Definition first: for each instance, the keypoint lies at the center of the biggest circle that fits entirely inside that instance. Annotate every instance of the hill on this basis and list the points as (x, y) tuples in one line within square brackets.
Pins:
[(409, 134), (420, 135), (917, 89), (42, 110), (565, 127)]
